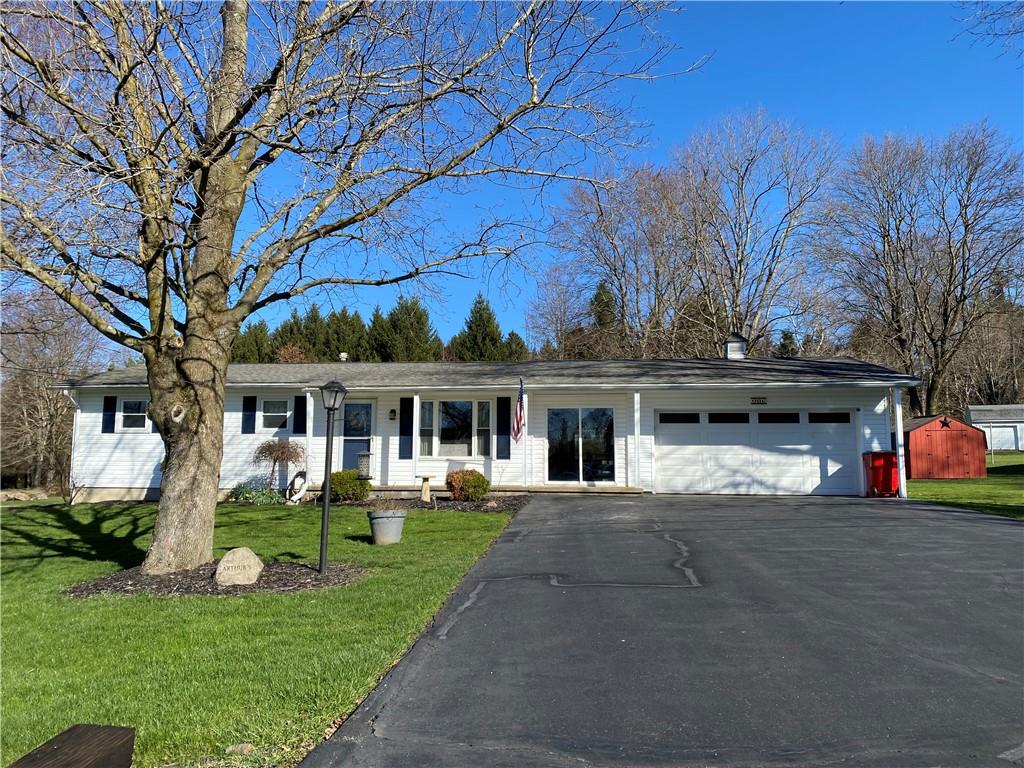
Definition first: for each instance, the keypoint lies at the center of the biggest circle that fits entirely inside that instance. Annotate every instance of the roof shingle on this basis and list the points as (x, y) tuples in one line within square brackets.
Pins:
[(544, 373)]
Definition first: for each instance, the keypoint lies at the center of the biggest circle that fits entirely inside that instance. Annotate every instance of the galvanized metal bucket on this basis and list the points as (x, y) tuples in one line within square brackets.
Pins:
[(386, 525)]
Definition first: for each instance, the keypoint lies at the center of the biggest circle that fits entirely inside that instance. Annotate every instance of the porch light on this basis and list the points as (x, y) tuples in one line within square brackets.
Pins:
[(333, 393)]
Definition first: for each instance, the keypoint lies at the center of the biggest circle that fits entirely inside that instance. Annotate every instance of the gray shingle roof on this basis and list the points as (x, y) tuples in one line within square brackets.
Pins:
[(545, 373), (985, 413)]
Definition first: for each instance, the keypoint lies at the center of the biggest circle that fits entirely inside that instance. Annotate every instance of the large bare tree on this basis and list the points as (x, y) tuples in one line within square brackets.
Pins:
[(712, 244), (170, 169), (921, 236), (751, 183)]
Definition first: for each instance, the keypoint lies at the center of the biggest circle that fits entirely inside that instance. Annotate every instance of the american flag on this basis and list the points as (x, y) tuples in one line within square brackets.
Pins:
[(520, 418)]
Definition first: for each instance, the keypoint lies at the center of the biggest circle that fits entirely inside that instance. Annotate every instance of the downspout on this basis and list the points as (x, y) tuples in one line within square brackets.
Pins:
[(901, 465), (74, 444)]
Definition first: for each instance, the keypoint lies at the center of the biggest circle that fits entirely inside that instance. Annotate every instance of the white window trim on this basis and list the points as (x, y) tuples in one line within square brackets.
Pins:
[(579, 415), (435, 442), (147, 425), (288, 415)]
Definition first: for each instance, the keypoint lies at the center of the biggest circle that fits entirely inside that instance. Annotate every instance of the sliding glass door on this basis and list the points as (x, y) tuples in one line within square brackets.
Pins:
[(581, 444), (564, 445)]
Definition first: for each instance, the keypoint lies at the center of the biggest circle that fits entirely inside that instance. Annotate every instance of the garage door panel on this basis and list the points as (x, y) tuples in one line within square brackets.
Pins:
[(756, 458)]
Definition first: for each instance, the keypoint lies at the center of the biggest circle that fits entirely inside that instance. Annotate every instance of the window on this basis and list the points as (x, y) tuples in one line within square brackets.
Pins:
[(456, 428), (729, 417), (828, 417), (133, 414), (679, 418), (275, 414), (426, 427), (768, 417), (483, 428)]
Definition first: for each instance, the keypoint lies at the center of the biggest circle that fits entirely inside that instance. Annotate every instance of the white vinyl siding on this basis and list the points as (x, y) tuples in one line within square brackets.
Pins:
[(131, 459)]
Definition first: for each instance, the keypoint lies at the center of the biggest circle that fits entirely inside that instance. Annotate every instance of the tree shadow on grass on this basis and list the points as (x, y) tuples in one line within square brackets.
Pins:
[(99, 532)]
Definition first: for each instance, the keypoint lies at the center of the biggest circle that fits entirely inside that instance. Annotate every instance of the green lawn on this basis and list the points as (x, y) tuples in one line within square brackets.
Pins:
[(194, 675), (1001, 493)]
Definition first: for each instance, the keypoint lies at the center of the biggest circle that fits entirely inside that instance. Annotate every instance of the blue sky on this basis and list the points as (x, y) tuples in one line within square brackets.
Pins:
[(848, 69)]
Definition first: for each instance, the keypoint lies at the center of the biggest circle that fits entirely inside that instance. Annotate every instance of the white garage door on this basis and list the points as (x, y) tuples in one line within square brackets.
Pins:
[(757, 452)]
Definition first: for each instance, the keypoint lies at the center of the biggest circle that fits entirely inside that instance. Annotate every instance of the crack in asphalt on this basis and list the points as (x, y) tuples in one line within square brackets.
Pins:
[(555, 579)]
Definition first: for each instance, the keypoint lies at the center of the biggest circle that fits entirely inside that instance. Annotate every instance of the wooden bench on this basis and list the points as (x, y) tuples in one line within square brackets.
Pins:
[(84, 746)]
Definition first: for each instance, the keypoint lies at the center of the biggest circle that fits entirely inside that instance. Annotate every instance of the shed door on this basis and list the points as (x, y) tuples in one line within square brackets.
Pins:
[(782, 453)]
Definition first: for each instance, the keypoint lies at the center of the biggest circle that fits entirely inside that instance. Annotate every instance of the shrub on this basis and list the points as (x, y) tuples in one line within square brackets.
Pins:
[(346, 486), (274, 452), (467, 485), (252, 492)]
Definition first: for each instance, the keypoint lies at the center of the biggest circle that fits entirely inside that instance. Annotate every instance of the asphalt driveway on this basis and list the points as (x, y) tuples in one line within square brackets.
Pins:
[(725, 631)]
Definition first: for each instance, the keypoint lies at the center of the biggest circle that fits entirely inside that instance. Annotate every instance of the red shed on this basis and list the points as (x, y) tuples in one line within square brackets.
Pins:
[(943, 447)]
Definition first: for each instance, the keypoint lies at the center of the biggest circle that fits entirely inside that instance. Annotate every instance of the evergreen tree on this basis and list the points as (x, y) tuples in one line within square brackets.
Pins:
[(515, 348), (481, 338), (346, 333), (603, 308), (253, 345), (404, 335), (291, 333), (788, 346)]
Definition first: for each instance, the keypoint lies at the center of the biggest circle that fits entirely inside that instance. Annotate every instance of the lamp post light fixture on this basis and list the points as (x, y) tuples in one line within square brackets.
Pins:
[(333, 393)]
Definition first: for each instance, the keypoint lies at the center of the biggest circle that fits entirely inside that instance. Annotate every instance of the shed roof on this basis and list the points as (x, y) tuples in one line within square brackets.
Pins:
[(987, 413), (916, 423), (714, 372)]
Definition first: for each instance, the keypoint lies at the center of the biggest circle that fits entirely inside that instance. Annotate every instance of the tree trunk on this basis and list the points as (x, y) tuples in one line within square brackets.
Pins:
[(187, 404)]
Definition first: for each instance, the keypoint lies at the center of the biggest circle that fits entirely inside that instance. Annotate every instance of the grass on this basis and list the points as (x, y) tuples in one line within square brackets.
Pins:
[(1001, 493), (195, 675)]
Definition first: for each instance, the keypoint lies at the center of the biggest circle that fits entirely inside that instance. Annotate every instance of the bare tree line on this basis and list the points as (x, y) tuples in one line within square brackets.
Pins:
[(902, 250)]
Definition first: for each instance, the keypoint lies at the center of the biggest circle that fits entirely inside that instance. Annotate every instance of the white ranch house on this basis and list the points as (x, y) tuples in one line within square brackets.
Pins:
[(737, 424)]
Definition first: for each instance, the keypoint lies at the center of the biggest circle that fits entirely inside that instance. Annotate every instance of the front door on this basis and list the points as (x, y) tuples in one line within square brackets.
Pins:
[(356, 431)]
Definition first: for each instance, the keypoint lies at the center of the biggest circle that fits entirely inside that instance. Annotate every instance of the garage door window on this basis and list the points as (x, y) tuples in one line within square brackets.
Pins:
[(828, 417), (728, 417), (679, 418), (581, 444), (778, 418)]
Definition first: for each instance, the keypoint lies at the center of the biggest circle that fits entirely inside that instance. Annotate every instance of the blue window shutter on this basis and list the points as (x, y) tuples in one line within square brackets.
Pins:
[(109, 412), (299, 415), (249, 415), (503, 431), (405, 428)]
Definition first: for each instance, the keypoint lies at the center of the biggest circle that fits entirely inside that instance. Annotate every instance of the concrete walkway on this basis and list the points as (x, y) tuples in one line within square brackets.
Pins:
[(716, 631)]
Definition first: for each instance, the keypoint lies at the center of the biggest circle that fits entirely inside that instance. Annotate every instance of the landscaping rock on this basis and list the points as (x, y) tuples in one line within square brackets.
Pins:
[(239, 566)]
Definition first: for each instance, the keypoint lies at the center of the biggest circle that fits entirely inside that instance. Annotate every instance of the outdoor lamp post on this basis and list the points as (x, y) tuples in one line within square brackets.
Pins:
[(333, 393)]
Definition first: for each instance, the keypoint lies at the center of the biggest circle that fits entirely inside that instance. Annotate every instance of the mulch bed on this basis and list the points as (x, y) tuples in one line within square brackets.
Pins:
[(506, 504), (276, 577)]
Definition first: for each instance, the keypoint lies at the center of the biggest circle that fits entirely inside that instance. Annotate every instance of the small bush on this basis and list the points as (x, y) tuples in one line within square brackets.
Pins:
[(346, 486), (252, 492), (467, 485)]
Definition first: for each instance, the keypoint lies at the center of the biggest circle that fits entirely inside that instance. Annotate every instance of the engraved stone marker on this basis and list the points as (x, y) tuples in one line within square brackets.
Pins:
[(239, 566)]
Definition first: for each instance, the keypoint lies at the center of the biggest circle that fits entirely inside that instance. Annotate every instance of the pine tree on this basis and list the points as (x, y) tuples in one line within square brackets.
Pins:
[(515, 348), (346, 333), (603, 308), (788, 346), (405, 335), (481, 337), (253, 345), (291, 332)]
